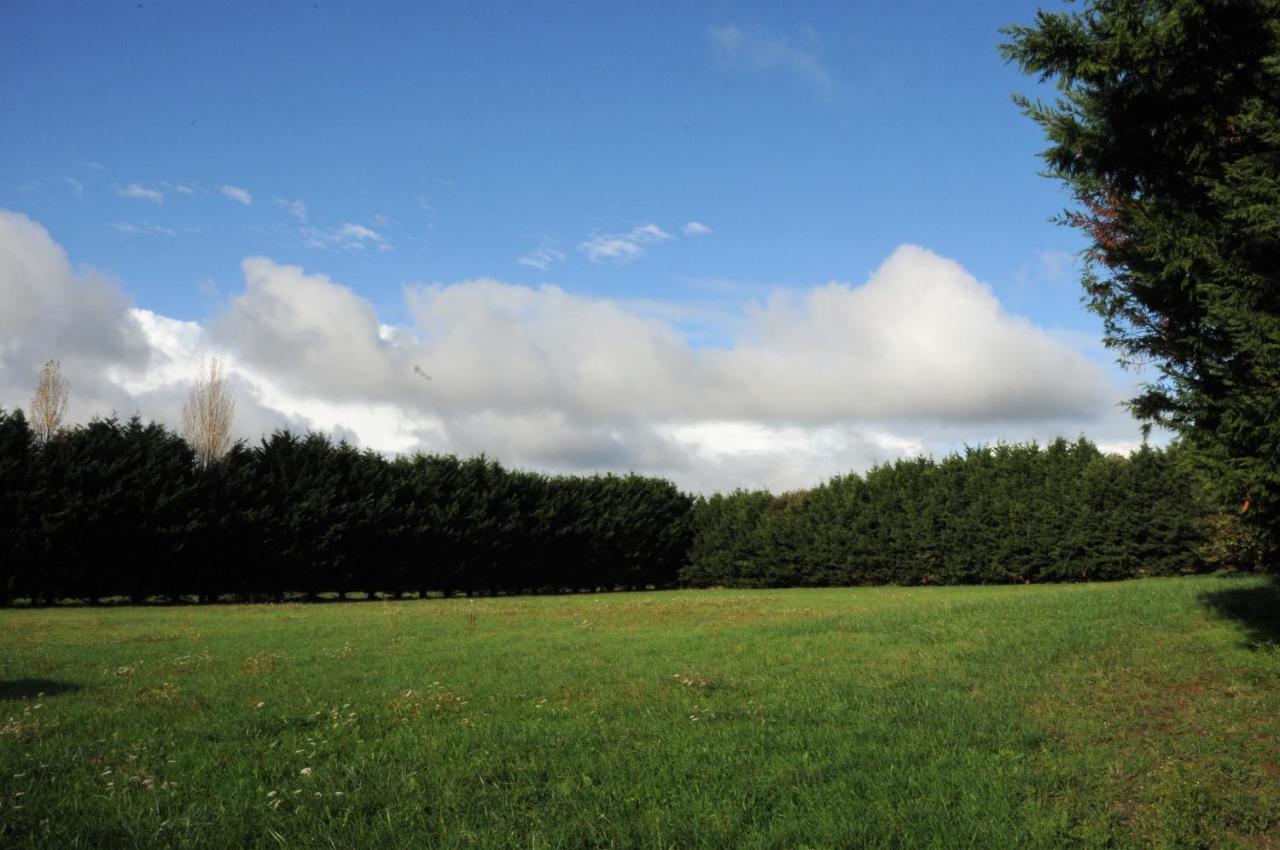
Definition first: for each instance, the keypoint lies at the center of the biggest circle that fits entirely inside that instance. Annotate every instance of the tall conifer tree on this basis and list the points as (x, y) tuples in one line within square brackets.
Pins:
[(1167, 131)]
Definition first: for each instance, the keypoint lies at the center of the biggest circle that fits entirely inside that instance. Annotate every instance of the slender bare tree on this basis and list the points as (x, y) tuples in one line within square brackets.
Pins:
[(49, 402), (206, 417)]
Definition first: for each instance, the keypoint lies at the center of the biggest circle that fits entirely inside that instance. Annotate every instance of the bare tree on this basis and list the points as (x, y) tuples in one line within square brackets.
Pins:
[(49, 402), (206, 417)]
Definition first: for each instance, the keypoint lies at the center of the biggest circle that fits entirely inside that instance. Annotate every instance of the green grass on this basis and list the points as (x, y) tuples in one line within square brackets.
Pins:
[(1134, 714)]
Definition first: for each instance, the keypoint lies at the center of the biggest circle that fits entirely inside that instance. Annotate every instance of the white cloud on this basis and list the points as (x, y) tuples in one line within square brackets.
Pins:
[(696, 228), (616, 248), (133, 190), (832, 379), (543, 257), (311, 333), (240, 196), (728, 454), (347, 237), (297, 209), (143, 229), (648, 233), (264, 401), (1119, 447), (625, 247), (188, 190), (1057, 265), (736, 49), (50, 311), (919, 357)]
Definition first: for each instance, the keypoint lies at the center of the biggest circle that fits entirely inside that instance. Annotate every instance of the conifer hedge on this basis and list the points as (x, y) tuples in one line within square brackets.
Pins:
[(1009, 513), (124, 509)]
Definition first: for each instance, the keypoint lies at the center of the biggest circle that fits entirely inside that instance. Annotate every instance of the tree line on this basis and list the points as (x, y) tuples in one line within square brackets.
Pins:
[(130, 509), (1008, 513), (127, 509)]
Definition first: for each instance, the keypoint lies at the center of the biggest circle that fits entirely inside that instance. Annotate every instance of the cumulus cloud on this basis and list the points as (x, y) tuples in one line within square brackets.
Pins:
[(237, 194), (119, 359), (142, 193), (312, 335), (625, 247), (264, 401), (50, 311), (696, 228), (921, 339), (819, 382), (736, 49), (918, 357)]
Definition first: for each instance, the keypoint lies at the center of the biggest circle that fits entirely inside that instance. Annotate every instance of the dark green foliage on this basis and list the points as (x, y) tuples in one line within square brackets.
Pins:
[(111, 506), (1012, 513), (123, 509), (17, 444), (727, 542), (1167, 132)]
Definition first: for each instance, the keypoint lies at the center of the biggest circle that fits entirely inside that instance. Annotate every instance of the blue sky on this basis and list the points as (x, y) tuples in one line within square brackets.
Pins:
[(689, 161), (525, 126)]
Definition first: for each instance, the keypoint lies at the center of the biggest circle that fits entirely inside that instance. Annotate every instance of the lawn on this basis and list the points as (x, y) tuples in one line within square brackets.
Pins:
[(1130, 714)]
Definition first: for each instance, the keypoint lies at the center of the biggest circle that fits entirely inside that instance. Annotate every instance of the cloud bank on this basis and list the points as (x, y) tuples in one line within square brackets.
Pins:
[(919, 357)]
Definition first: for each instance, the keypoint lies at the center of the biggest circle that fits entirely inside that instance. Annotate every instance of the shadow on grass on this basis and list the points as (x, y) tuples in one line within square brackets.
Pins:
[(1256, 607), (33, 688)]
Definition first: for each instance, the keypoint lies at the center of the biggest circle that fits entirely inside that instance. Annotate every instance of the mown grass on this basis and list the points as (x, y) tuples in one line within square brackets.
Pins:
[(1133, 714)]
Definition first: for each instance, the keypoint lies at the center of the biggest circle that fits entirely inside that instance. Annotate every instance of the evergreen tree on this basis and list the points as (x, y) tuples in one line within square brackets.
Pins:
[(17, 446), (112, 505), (726, 547), (1167, 131)]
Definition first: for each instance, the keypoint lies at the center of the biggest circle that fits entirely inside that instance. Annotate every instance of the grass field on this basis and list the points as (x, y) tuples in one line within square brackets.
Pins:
[(1133, 714)]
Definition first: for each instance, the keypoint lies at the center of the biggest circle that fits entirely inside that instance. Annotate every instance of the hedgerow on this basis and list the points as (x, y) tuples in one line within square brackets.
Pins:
[(126, 509)]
